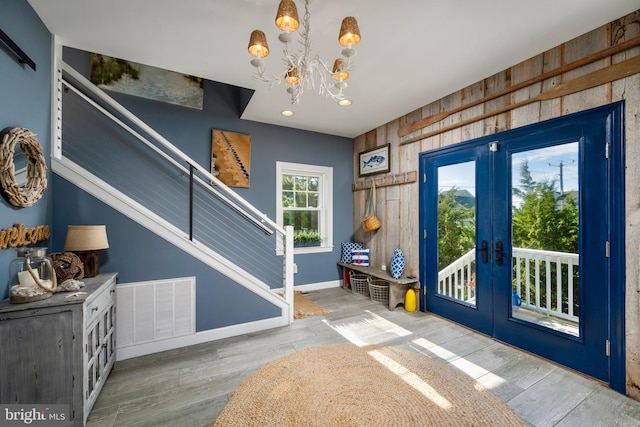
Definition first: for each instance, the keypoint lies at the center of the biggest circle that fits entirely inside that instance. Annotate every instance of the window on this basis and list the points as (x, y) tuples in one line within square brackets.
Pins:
[(304, 200)]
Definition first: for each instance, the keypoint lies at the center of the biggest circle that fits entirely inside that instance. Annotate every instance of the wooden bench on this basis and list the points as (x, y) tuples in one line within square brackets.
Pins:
[(397, 287)]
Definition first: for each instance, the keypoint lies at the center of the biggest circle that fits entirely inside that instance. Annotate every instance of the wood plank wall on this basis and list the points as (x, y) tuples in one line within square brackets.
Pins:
[(397, 205)]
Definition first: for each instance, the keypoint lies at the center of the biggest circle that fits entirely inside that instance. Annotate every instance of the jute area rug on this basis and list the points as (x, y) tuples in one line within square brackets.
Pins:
[(345, 385)]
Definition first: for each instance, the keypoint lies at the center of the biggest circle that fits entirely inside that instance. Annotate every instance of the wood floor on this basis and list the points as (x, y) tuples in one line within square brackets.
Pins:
[(190, 386)]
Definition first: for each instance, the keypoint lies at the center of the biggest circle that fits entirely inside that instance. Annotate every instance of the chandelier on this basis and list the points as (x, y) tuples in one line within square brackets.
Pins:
[(301, 68)]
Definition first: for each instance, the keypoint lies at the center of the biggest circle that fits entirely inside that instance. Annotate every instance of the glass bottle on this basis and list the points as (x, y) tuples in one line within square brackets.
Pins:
[(31, 276)]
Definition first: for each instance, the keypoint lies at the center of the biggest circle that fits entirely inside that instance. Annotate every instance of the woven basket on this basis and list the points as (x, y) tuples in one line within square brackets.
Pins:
[(379, 291), (359, 283), (370, 223)]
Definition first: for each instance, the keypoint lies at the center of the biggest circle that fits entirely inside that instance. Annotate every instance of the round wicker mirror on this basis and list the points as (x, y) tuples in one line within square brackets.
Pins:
[(27, 193)]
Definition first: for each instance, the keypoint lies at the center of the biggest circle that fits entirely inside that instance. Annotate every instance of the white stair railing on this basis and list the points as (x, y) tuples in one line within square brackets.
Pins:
[(160, 140), (199, 176)]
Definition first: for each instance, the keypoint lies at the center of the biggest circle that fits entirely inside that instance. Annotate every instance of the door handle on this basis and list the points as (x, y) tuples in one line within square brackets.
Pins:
[(499, 252), (484, 251)]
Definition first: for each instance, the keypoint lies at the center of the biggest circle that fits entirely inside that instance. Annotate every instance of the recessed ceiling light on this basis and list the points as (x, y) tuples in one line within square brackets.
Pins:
[(344, 102), (286, 113)]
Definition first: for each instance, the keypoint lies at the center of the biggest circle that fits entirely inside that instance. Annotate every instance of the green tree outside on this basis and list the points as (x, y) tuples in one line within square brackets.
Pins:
[(546, 220), (456, 228)]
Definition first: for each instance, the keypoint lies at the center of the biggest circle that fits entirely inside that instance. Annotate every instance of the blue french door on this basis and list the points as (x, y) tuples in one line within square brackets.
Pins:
[(523, 239), (455, 207)]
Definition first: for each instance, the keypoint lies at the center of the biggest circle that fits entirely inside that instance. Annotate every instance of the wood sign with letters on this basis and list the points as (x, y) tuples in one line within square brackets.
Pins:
[(18, 235)]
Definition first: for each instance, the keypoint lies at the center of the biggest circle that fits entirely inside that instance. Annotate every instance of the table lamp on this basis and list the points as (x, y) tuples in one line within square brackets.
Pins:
[(85, 241)]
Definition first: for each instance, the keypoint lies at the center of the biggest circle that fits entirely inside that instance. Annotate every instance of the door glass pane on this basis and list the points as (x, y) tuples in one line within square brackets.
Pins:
[(544, 232), (457, 231)]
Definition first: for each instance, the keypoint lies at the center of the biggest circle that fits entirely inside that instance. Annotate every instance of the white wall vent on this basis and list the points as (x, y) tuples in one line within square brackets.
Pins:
[(155, 310)]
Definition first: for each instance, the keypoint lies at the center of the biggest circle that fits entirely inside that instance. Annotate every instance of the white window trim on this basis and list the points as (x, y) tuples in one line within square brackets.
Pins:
[(326, 172)]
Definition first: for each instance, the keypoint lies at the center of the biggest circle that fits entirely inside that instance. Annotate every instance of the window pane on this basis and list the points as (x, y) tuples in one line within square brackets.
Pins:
[(314, 182), (301, 220), (313, 200), (287, 182), (545, 232), (457, 231), (287, 199), (288, 218), (301, 200), (309, 220), (301, 183)]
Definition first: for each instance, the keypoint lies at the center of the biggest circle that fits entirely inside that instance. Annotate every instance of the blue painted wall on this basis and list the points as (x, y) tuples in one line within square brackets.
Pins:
[(134, 252), (139, 255), (24, 102)]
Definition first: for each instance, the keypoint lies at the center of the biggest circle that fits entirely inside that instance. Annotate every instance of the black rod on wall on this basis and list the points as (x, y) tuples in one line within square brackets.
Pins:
[(191, 169), (23, 58)]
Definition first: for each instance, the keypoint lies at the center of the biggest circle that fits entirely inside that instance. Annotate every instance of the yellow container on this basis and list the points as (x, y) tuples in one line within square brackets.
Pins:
[(410, 300)]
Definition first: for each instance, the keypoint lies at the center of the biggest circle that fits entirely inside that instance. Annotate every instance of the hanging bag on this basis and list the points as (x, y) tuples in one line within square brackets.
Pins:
[(370, 222)]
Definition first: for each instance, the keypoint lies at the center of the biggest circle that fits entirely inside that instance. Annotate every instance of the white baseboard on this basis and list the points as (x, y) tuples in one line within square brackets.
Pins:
[(318, 286), (314, 286), (217, 334), (199, 338)]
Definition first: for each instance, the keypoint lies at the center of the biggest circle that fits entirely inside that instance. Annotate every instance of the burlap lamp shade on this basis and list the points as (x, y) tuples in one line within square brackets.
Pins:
[(85, 241)]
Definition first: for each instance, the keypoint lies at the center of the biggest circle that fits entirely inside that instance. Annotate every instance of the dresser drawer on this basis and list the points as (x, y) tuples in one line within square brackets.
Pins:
[(100, 302)]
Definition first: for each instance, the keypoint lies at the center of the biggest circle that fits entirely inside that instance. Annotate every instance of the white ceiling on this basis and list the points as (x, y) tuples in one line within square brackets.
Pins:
[(412, 51)]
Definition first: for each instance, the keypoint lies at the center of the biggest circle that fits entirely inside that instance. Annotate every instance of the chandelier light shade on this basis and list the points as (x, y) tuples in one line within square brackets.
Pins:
[(339, 73), (349, 32), (302, 69), (258, 46), (292, 77), (287, 16)]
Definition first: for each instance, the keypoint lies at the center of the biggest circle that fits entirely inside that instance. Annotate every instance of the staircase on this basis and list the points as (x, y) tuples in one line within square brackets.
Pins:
[(136, 171)]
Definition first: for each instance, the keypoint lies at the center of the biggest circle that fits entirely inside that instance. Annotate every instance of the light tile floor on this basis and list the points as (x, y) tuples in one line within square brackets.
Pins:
[(190, 386)]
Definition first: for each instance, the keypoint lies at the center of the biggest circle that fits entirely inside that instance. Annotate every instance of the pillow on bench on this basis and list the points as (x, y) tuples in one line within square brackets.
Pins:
[(347, 247), (360, 257)]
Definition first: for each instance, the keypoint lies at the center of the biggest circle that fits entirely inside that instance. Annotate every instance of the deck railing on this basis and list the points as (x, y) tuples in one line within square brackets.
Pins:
[(457, 280), (546, 281)]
